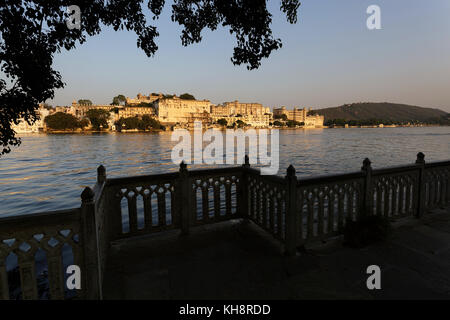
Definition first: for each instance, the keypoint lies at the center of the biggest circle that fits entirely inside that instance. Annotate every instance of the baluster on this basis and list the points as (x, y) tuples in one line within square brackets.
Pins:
[(386, 199), (55, 273), (302, 213), (228, 198), (341, 213), (272, 213), (444, 192), (394, 208), (194, 202), (252, 202), (258, 204), (401, 197), (350, 199), (330, 211), (132, 212), (264, 211), (241, 205), (310, 208), (175, 215), (161, 209), (379, 200), (216, 199), (148, 210), (183, 201), (4, 289), (408, 199), (243, 190), (280, 217), (432, 193), (27, 272), (358, 199), (320, 200), (205, 202)]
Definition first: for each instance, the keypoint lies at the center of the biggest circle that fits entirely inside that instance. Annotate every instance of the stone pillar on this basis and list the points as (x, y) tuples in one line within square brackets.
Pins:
[(420, 187), (4, 289), (184, 199), (367, 197), (101, 174), (90, 272), (244, 191), (291, 213)]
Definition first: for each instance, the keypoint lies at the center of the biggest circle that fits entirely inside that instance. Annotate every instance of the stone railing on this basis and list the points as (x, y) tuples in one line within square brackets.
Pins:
[(23, 238), (294, 211)]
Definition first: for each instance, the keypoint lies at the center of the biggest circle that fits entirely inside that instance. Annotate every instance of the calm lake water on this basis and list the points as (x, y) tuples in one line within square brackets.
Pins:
[(48, 172)]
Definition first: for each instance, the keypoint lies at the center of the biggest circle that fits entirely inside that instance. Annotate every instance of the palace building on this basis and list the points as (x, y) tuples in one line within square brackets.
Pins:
[(176, 110), (152, 97), (37, 126), (253, 114), (300, 115)]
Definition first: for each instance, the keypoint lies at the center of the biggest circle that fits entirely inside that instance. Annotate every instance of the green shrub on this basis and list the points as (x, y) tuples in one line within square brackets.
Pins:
[(365, 231)]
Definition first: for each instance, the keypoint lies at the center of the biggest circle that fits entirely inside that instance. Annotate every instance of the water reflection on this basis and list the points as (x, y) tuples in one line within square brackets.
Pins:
[(48, 172)]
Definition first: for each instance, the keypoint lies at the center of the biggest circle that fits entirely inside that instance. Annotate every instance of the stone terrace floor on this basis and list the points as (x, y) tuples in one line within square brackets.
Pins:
[(234, 260)]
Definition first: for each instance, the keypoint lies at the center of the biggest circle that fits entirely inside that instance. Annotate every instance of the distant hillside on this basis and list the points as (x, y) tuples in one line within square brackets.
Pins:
[(384, 111)]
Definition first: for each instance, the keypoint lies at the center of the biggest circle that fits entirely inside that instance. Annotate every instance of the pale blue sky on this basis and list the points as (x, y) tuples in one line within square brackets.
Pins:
[(328, 58)]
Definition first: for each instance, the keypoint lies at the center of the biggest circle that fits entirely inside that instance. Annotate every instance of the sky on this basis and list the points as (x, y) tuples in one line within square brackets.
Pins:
[(328, 58)]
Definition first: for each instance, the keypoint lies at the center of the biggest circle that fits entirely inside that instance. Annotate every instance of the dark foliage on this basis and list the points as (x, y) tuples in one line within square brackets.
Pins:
[(63, 121), (144, 123), (85, 102), (98, 118), (277, 123), (365, 231), (32, 31), (280, 117), (119, 100), (293, 123), (222, 122), (187, 96)]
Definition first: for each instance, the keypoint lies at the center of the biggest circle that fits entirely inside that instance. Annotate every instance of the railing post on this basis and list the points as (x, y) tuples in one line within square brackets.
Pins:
[(101, 174), (90, 274), (184, 200), (291, 213), (367, 199), (4, 289), (244, 190), (101, 179), (420, 162)]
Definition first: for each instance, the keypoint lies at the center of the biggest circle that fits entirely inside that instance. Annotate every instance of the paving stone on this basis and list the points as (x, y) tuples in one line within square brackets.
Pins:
[(240, 261)]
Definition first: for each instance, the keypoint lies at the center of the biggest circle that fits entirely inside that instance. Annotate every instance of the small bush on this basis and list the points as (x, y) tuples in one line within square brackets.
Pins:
[(365, 231)]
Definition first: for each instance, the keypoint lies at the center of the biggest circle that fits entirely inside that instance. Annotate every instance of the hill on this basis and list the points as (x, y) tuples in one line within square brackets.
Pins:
[(390, 112)]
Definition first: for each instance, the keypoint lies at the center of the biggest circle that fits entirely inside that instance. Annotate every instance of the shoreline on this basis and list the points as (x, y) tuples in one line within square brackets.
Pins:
[(191, 129)]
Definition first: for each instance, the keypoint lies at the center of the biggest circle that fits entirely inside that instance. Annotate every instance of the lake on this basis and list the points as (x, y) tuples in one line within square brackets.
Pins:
[(49, 172)]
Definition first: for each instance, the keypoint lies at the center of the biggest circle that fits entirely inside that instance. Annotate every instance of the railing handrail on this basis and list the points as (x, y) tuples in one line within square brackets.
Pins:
[(437, 164), (30, 220), (310, 180), (169, 175)]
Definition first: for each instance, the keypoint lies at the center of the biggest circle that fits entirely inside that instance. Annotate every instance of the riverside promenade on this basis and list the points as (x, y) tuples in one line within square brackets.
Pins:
[(234, 260), (234, 233)]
